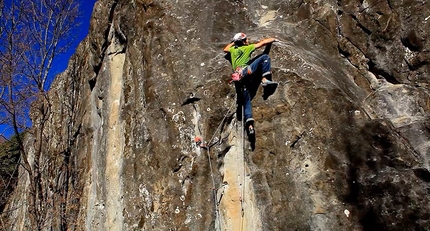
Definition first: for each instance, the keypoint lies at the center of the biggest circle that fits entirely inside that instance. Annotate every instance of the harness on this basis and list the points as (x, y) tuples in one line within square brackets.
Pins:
[(238, 73)]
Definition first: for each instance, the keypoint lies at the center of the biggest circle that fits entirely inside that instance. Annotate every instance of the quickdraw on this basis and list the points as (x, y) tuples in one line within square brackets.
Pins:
[(200, 143)]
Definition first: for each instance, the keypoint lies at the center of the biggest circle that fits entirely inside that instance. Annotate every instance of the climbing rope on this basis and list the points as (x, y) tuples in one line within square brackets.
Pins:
[(242, 188), (214, 189), (242, 181), (222, 121)]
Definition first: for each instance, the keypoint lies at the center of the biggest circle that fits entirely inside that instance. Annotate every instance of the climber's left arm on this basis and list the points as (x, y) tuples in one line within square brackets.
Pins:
[(264, 42)]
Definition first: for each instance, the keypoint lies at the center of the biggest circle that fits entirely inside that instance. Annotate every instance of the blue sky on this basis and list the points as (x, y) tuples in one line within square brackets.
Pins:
[(61, 61), (86, 8)]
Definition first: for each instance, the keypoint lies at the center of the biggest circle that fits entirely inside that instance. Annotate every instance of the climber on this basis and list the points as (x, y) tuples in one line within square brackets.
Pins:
[(247, 71)]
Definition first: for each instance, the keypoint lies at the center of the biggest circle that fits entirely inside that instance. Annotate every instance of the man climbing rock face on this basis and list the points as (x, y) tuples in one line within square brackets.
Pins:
[(248, 71)]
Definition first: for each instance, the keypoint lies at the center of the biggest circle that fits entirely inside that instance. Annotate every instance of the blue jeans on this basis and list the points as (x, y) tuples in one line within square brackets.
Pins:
[(247, 106), (260, 65)]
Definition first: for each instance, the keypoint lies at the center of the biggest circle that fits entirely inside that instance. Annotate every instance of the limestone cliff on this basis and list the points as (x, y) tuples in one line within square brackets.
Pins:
[(343, 144)]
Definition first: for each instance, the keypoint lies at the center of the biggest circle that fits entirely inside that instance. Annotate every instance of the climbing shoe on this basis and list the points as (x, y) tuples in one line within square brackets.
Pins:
[(249, 123), (268, 83), (251, 130), (269, 89)]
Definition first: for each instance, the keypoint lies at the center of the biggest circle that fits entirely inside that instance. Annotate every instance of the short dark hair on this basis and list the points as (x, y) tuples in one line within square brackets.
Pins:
[(240, 42)]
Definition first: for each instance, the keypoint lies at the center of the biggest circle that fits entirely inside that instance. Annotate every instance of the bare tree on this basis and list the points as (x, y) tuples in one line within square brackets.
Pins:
[(33, 34)]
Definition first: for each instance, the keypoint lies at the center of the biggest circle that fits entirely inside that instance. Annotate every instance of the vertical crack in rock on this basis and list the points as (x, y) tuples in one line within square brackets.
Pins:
[(115, 144), (238, 209), (91, 187)]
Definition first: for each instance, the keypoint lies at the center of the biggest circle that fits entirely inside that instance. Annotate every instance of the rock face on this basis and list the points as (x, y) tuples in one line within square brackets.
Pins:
[(343, 144)]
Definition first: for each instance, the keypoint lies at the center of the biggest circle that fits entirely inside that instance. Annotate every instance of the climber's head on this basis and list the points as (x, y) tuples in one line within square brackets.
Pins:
[(240, 39)]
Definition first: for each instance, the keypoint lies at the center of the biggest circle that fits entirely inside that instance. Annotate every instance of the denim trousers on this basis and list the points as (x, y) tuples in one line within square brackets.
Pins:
[(247, 106), (260, 65)]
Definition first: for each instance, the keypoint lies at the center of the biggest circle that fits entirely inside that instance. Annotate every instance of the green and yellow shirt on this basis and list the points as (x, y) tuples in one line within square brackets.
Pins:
[(240, 56)]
